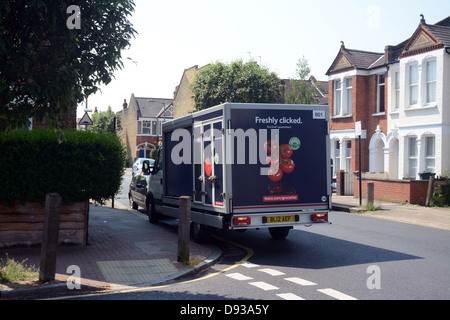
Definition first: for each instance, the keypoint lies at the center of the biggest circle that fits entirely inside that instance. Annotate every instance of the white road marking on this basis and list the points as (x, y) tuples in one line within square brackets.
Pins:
[(336, 294), (238, 276), (263, 285), (272, 272), (301, 282), (250, 265), (289, 296)]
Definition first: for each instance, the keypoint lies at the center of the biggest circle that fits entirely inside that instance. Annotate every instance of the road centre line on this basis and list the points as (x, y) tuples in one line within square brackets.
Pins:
[(250, 265), (301, 281), (238, 276), (336, 294), (272, 272), (263, 285), (289, 296)]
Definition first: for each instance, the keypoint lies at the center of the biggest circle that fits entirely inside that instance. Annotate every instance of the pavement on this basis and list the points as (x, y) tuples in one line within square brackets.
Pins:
[(125, 251)]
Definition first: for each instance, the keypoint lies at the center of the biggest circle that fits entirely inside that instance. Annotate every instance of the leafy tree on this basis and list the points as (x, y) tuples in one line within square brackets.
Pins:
[(51, 58), (235, 82), (103, 121), (302, 91)]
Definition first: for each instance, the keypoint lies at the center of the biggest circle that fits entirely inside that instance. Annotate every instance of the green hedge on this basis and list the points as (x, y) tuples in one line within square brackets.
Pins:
[(78, 165)]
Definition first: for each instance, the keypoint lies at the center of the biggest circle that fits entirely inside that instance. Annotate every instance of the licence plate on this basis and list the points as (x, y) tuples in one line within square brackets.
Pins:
[(280, 219)]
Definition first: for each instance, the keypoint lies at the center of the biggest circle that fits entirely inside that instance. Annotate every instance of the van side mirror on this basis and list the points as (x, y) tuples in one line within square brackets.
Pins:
[(146, 169)]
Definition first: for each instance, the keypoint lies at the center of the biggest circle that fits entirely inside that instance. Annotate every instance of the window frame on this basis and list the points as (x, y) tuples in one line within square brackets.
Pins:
[(381, 94), (348, 96), (428, 82), (337, 105), (152, 128), (410, 86)]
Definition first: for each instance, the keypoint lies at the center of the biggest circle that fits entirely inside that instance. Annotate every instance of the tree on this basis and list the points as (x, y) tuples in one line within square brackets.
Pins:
[(235, 82), (303, 91), (104, 121), (53, 54)]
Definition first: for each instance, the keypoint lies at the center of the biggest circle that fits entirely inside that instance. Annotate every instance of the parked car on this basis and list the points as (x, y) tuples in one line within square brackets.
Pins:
[(138, 191), (139, 196), (137, 165)]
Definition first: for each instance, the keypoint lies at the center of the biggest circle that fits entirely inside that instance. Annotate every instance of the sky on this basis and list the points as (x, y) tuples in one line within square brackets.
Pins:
[(174, 35)]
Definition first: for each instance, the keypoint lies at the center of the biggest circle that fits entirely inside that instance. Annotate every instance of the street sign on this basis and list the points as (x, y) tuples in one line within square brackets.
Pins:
[(358, 130), (86, 120)]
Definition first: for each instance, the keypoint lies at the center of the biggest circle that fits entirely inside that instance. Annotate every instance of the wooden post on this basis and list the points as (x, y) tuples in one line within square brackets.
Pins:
[(370, 193), (184, 222), (430, 191), (50, 237)]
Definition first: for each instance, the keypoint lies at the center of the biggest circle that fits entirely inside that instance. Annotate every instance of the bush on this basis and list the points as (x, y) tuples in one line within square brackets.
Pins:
[(78, 165), (12, 271)]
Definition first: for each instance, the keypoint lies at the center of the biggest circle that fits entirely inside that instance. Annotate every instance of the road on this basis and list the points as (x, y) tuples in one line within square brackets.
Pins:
[(355, 257)]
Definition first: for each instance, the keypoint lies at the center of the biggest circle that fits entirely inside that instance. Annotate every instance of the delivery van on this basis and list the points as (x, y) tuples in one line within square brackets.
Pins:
[(259, 166)]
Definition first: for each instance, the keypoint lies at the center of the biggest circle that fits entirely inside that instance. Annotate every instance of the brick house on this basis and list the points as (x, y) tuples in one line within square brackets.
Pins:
[(142, 122), (184, 104), (402, 98)]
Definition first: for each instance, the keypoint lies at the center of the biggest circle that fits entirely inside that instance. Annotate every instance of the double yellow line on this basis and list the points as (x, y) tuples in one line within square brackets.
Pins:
[(246, 258)]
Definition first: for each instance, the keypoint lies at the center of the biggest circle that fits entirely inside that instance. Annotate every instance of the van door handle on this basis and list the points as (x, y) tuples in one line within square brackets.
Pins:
[(212, 178)]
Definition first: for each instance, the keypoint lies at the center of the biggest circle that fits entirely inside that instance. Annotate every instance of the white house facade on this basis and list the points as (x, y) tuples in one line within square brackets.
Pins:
[(418, 137)]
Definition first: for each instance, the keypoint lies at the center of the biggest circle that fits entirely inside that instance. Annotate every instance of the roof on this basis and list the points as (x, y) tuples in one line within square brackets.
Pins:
[(150, 107), (426, 37), (348, 59), (441, 33)]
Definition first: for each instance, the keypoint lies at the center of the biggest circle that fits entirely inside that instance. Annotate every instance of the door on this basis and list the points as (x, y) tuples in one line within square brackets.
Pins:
[(208, 166)]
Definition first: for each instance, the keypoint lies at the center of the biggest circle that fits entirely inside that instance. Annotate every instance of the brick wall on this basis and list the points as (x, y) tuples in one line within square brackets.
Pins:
[(183, 102), (413, 192)]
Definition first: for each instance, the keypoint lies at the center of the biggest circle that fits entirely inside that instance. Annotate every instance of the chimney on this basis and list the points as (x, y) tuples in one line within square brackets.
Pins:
[(125, 105)]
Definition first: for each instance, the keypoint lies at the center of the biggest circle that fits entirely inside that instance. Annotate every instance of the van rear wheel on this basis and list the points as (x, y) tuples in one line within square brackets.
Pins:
[(279, 233)]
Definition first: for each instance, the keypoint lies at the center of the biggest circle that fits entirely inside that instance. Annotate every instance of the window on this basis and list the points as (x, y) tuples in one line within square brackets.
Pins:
[(147, 127), (430, 154), (337, 156), (337, 97), (348, 156), (413, 84), (396, 91), (348, 96), (430, 81), (412, 157), (381, 93)]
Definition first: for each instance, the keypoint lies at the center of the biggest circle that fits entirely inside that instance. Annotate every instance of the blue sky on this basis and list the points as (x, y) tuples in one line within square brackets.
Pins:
[(177, 34)]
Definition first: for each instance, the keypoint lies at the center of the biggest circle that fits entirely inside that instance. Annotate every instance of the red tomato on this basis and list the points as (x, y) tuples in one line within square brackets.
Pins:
[(287, 165), (275, 188), (275, 175), (271, 147), (285, 151), (208, 167), (273, 161)]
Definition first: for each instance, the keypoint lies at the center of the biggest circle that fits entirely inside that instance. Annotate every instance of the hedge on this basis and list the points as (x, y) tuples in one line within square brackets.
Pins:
[(78, 165)]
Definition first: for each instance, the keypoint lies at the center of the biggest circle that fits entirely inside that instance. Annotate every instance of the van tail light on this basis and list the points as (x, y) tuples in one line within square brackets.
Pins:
[(320, 217), (242, 221)]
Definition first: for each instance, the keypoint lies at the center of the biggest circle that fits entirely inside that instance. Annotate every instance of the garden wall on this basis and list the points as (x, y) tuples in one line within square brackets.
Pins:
[(23, 225)]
